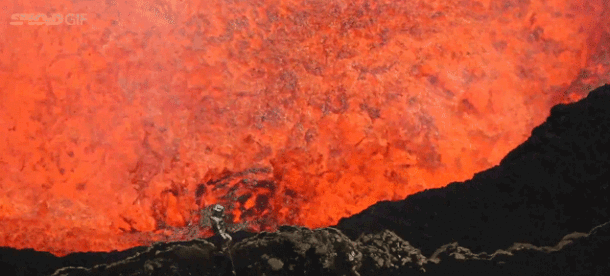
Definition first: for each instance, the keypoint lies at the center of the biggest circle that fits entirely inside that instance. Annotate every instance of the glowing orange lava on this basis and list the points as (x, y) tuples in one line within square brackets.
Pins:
[(117, 132)]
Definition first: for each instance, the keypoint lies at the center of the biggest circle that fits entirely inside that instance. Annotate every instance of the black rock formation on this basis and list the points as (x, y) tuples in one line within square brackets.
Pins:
[(327, 251), (555, 183), (575, 254)]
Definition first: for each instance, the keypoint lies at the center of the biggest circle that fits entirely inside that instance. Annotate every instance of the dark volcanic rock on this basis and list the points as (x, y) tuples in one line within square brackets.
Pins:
[(195, 257), (301, 251), (30, 262), (387, 253), (555, 183), (297, 251), (575, 254)]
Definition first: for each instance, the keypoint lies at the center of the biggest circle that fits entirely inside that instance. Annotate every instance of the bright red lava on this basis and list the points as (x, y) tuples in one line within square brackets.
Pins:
[(289, 112)]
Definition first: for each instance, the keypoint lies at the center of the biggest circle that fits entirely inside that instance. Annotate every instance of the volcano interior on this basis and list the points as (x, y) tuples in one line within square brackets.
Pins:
[(119, 131)]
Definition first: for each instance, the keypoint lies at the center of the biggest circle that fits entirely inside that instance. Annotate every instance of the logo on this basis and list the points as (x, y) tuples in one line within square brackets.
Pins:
[(18, 19)]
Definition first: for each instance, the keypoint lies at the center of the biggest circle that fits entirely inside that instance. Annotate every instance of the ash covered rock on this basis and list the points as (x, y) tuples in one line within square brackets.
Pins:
[(387, 253), (297, 251), (301, 251), (288, 251), (326, 251)]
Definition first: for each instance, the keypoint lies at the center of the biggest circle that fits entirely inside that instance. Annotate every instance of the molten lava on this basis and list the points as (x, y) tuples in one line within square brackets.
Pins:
[(120, 131)]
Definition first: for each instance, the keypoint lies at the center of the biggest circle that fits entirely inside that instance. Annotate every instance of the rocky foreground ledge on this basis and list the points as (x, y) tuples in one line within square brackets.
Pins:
[(327, 251)]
